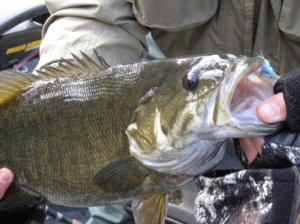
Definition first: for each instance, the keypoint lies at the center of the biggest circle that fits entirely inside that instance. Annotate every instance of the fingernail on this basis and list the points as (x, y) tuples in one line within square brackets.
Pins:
[(4, 178), (271, 110)]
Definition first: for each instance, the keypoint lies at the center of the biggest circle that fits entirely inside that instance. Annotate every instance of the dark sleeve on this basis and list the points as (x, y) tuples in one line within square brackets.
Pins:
[(289, 85)]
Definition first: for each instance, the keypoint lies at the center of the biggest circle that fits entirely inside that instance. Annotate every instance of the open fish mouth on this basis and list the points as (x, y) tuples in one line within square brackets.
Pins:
[(247, 85)]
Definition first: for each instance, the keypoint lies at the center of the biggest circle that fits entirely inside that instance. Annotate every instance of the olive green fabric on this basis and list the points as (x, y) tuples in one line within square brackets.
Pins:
[(117, 28)]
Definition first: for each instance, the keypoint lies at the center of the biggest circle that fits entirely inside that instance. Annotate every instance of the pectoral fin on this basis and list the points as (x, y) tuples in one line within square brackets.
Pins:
[(150, 210), (122, 176)]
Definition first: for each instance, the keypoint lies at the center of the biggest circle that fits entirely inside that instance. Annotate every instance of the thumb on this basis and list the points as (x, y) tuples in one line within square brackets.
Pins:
[(6, 178), (272, 109)]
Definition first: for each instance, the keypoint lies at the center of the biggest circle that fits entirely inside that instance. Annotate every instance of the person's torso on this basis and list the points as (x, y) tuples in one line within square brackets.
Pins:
[(251, 28)]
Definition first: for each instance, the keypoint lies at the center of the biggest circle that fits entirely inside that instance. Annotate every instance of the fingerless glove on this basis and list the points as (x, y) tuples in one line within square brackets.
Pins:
[(289, 85)]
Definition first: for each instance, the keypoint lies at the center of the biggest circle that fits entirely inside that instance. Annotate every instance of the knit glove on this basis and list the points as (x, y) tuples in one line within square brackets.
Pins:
[(279, 150), (289, 85), (249, 196)]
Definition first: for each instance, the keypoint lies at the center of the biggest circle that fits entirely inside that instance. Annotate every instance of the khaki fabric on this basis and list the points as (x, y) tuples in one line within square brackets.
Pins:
[(117, 29)]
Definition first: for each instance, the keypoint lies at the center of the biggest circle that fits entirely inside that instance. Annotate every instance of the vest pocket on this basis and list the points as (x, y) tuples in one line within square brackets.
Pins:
[(173, 15), (289, 19)]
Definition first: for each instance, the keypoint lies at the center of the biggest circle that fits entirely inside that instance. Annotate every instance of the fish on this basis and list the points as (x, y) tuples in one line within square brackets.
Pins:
[(82, 133)]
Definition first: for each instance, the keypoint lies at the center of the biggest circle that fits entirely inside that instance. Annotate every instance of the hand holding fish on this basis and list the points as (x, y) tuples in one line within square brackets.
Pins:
[(270, 111), (276, 166), (282, 106)]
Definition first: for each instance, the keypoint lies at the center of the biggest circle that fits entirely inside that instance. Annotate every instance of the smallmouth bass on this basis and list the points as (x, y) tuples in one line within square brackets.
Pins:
[(85, 134)]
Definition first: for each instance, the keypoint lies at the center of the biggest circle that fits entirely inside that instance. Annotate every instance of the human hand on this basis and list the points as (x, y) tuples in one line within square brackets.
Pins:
[(283, 106), (6, 178), (271, 110), (34, 214)]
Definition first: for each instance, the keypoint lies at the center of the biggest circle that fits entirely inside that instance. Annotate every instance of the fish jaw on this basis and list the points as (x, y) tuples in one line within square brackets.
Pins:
[(246, 84)]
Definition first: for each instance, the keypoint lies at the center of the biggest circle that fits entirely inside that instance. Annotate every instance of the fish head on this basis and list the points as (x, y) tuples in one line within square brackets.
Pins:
[(181, 125)]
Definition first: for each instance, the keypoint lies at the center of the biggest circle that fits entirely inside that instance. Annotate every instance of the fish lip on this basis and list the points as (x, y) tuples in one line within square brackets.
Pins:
[(242, 93)]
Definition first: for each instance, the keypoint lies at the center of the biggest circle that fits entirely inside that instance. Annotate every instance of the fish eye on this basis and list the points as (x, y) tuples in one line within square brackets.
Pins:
[(190, 80)]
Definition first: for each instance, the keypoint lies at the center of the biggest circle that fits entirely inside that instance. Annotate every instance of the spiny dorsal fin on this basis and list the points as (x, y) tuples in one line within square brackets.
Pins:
[(75, 66), (53, 72), (13, 84)]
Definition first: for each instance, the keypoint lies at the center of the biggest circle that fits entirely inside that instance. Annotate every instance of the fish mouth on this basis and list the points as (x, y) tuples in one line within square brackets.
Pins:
[(246, 85)]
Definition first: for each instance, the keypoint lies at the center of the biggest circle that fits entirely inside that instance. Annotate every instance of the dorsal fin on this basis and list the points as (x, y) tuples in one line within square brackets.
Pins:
[(13, 84), (75, 66)]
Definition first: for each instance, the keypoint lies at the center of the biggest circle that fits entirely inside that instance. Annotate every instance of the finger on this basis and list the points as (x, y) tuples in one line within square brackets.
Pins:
[(272, 110), (251, 147), (6, 178)]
